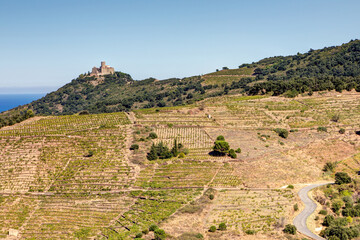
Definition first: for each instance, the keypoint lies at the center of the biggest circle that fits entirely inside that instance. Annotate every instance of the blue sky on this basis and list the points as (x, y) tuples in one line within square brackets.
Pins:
[(45, 44)]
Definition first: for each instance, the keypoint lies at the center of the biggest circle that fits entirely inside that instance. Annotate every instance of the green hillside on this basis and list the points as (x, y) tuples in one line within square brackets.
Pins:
[(317, 70)]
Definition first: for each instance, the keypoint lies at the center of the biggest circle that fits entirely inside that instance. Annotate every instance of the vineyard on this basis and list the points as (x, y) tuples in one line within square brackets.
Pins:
[(88, 177), (254, 210)]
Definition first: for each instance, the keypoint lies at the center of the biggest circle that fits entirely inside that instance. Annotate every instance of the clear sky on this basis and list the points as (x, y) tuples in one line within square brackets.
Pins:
[(44, 44)]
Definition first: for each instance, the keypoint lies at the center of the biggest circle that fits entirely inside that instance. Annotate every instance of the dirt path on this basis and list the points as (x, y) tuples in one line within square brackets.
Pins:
[(310, 207)]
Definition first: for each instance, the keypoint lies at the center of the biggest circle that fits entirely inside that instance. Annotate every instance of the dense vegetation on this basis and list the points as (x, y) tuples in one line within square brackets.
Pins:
[(119, 92), (341, 208), (317, 70), (15, 117)]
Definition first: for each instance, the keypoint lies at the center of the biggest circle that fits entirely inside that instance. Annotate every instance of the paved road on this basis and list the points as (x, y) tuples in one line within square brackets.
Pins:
[(310, 207)]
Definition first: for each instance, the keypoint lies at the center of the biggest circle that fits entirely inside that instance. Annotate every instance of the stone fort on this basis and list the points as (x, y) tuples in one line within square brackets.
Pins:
[(102, 70)]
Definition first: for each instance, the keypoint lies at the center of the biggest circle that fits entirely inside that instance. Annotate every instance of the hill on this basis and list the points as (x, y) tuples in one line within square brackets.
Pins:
[(75, 177), (317, 70)]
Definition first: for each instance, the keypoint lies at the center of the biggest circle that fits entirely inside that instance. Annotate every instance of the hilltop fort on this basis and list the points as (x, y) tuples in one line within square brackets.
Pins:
[(102, 70)]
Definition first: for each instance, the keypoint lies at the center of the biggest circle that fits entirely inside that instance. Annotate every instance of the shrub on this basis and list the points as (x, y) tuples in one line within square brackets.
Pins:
[(336, 205), (145, 231), (134, 147), (153, 227), (153, 135), (282, 132), (199, 236), (329, 167), (322, 129), (90, 153), (296, 207), (220, 138), (181, 155), (335, 117), (232, 153), (159, 234), (238, 150), (211, 196), (290, 229), (291, 93), (138, 235), (342, 130), (328, 220), (290, 186), (185, 151), (212, 229), (323, 212), (222, 226), (250, 232), (342, 178)]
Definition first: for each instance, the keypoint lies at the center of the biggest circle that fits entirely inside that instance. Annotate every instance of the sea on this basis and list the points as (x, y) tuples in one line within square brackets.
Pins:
[(9, 101)]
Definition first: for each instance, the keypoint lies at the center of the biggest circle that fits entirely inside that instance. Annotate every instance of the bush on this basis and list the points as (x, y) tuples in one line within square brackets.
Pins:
[(342, 130), (220, 138), (159, 234), (199, 236), (134, 147), (336, 205), (181, 155), (211, 196), (329, 167), (250, 232), (153, 135), (328, 220), (323, 212), (296, 207), (138, 235), (221, 147), (335, 117), (232, 153), (238, 150), (282, 132), (153, 227), (212, 229), (222, 226), (290, 229), (342, 178), (145, 231), (322, 129), (290, 186)]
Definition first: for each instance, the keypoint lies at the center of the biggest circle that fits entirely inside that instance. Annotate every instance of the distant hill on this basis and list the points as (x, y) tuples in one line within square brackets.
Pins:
[(317, 70)]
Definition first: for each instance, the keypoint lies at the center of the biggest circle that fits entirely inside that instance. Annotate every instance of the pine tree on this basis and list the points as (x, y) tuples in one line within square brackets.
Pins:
[(152, 155), (175, 149)]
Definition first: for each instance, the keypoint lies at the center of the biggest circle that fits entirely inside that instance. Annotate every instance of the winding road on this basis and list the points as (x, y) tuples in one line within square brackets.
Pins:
[(310, 207)]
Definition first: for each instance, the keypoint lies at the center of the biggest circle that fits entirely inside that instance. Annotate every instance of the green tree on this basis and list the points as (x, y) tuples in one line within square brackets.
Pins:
[(175, 149), (222, 226), (152, 155), (328, 220), (153, 135), (342, 178), (134, 147), (290, 229), (212, 229), (232, 153), (220, 138), (221, 147), (282, 132)]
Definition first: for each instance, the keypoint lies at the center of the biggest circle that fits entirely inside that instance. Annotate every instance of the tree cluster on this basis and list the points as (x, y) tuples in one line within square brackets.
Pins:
[(161, 151)]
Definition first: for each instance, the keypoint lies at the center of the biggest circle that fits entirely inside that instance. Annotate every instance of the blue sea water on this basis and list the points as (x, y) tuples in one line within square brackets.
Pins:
[(9, 101)]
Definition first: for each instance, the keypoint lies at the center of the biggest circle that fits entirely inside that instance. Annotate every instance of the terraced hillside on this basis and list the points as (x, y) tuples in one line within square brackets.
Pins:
[(75, 177)]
